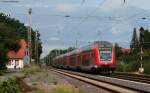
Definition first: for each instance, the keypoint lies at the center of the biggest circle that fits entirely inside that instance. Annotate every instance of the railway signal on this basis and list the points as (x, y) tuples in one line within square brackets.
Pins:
[(141, 39)]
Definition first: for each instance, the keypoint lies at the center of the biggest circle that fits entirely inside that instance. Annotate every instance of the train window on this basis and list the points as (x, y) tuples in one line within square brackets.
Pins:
[(105, 55), (85, 60), (93, 54), (72, 60), (65, 60)]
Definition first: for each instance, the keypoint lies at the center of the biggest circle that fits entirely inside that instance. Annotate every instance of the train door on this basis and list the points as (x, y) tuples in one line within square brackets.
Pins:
[(85, 61), (93, 57), (78, 61), (68, 62), (64, 61)]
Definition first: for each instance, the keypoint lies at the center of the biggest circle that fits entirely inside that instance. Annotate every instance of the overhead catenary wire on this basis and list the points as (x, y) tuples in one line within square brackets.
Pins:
[(85, 18)]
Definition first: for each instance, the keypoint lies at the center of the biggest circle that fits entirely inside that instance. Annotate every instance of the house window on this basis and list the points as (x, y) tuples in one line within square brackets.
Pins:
[(17, 62), (9, 63)]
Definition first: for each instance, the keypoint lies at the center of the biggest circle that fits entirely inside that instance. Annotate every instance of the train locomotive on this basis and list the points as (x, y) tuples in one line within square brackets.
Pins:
[(96, 57)]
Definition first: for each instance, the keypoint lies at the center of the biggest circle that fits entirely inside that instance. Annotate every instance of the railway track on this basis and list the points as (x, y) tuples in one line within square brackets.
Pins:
[(132, 77), (97, 82)]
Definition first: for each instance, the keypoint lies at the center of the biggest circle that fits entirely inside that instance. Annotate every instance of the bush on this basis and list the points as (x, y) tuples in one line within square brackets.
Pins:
[(147, 67), (9, 86), (1, 72), (124, 67)]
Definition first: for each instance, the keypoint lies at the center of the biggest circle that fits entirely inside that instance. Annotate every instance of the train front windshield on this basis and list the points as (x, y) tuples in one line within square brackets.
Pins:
[(105, 54)]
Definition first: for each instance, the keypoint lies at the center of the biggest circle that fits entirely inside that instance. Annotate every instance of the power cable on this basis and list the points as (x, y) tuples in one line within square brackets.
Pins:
[(85, 18)]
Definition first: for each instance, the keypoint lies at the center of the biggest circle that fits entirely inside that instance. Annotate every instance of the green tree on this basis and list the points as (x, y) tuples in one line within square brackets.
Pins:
[(146, 44), (118, 51), (134, 41)]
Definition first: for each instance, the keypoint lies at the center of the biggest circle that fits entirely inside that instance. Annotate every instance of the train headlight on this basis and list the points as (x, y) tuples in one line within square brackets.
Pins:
[(95, 66)]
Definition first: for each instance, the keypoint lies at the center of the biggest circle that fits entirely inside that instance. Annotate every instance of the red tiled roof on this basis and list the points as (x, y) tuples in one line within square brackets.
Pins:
[(21, 52), (127, 50)]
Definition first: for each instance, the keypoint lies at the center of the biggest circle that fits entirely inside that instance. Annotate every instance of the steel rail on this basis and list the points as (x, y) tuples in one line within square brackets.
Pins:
[(96, 82), (132, 77)]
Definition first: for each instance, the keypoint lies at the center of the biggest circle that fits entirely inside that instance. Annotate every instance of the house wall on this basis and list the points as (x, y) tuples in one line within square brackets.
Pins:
[(15, 62), (26, 60)]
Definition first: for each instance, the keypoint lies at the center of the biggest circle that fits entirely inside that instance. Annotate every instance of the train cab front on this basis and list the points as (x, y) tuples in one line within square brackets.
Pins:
[(105, 60)]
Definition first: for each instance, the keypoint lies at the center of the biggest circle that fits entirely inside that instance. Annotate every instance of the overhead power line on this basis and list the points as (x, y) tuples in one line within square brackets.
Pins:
[(85, 18)]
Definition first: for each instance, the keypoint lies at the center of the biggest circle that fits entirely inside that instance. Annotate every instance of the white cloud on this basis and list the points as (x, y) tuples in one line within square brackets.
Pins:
[(54, 38), (121, 28), (143, 4), (110, 5), (66, 7), (48, 47), (32, 5)]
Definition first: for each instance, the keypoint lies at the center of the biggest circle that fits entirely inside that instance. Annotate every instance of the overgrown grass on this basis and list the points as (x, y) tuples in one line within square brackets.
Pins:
[(60, 89), (66, 89), (1, 72), (40, 91), (10, 86), (29, 70)]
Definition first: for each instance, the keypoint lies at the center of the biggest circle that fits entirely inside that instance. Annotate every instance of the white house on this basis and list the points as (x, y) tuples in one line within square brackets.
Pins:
[(19, 58)]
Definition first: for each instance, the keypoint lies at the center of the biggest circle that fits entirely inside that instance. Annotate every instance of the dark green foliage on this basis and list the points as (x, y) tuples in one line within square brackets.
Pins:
[(36, 41), (146, 64), (127, 67), (134, 42), (9, 86), (118, 51), (146, 39), (3, 58)]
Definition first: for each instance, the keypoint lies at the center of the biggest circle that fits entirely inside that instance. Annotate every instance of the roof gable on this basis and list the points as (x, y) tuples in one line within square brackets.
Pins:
[(21, 52)]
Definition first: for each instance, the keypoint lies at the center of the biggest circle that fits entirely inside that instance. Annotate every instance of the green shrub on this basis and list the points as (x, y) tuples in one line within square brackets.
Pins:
[(1, 72), (9, 86), (147, 67), (124, 67)]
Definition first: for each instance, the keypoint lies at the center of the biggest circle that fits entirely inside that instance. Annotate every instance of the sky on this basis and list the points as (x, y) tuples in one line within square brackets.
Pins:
[(76, 23)]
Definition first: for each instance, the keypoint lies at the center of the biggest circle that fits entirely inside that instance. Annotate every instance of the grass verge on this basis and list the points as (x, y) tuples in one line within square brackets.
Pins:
[(66, 89), (60, 89), (29, 70)]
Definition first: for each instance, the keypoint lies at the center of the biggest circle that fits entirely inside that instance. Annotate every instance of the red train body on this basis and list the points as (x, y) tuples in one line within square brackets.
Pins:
[(99, 56)]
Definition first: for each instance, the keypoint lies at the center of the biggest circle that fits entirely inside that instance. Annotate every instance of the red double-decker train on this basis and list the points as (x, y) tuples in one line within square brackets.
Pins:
[(97, 57)]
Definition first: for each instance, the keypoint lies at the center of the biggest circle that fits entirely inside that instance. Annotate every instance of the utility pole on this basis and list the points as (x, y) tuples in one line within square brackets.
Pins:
[(36, 48), (77, 39), (76, 43), (29, 36)]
